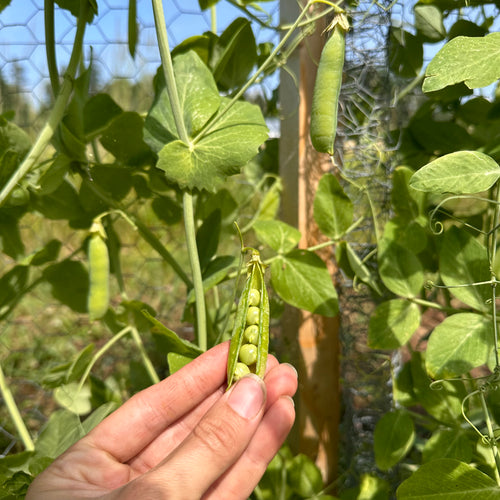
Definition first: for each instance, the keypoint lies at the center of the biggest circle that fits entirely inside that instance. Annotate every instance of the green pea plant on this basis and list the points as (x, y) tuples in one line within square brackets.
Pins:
[(96, 168), (435, 261)]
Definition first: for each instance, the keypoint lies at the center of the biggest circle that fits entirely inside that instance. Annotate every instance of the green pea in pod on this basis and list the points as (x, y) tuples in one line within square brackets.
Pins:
[(250, 312), (98, 295)]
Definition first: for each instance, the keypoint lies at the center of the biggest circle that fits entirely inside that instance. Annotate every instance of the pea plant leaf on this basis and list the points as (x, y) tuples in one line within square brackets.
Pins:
[(278, 235), (472, 60), (392, 324), (450, 479), (458, 344), (447, 443), (219, 153), (232, 139), (464, 260), (444, 405), (400, 270), (460, 172), (429, 23), (198, 97), (302, 279), (360, 270), (333, 210), (393, 438)]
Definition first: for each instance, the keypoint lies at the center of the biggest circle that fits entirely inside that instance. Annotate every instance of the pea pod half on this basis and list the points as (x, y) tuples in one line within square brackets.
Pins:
[(248, 351)]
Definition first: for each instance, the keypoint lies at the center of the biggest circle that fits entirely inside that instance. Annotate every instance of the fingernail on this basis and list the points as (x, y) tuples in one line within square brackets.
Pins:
[(293, 368), (248, 396)]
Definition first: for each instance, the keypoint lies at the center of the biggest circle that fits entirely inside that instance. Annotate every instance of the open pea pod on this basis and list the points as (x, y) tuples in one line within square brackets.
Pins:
[(250, 337)]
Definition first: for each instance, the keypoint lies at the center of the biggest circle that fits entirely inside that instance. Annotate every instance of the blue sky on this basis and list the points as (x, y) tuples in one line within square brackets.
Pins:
[(22, 37)]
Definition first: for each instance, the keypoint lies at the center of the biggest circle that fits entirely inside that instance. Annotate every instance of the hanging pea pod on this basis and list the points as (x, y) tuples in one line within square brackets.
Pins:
[(98, 295), (250, 337)]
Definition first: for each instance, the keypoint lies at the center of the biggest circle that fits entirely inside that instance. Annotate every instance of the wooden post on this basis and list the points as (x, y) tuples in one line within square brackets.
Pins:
[(313, 340)]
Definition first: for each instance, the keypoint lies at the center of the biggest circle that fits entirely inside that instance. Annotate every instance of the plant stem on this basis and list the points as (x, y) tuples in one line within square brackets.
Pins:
[(201, 318), (145, 358), (434, 305), (150, 238), (187, 201), (58, 109), (50, 45), (14, 413), (115, 338), (491, 435)]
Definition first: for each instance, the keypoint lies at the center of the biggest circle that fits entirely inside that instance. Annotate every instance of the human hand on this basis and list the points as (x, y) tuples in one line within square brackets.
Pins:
[(183, 438)]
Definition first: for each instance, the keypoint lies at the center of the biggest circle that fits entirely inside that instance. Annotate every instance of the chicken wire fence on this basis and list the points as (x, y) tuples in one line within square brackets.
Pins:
[(46, 327)]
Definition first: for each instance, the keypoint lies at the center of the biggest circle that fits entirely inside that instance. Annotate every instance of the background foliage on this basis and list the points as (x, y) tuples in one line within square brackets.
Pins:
[(416, 265)]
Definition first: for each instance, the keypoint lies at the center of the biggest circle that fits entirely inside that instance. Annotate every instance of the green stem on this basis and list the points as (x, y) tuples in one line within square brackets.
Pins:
[(189, 223), (168, 70), (144, 356), (50, 45), (493, 247), (434, 305), (99, 353), (213, 19), (58, 109), (14, 413), (491, 435), (148, 236), (201, 319)]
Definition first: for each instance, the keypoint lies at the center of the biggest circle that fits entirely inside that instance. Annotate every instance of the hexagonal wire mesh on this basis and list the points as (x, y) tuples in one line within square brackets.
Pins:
[(42, 325)]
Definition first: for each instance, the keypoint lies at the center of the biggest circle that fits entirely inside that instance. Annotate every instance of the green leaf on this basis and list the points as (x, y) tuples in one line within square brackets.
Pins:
[(48, 253), (234, 54), (277, 235), (392, 324), (447, 443), (10, 236), (400, 270), (69, 284), (80, 363), (199, 101), (463, 260), (98, 112), (304, 476), (61, 431), (167, 210), (207, 238), (302, 279), (472, 60), (461, 342), (408, 234), (448, 479), (213, 274), (62, 203), (464, 27), (429, 23), (132, 27), (168, 341), (406, 54), (359, 269), (443, 403), (408, 203), (206, 4), (393, 438), (75, 401), (221, 152), (177, 361), (460, 173), (123, 138), (333, 210), (12, 285)]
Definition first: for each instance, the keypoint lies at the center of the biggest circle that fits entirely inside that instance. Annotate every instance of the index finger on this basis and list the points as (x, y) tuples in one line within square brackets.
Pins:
[(148, 413)]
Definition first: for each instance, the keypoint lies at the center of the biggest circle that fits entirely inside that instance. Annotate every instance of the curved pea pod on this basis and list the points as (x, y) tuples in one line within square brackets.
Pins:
[(323, 127), (254, 282), (98, 295)]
